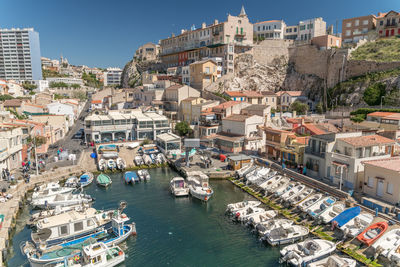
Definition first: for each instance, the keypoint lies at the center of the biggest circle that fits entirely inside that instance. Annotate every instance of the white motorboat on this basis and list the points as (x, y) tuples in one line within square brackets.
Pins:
[(98, 255), (304, 205), (332, 212), (62, 200), (50, 192), (320, 206), (270, 182), (35, 217), (293, 192), (138, 160), (261, 217), (102, 164), (388, 245), (143, 175), (111, 164), (179, 187), (161, 158), (356, 225), (239, 173), (301, 197), (72, 182), (263, 227), (199, 186), (243, 215), (285, 234), (147, 159), (334, 261), (43, 187), (282, 190), (121, 164), (307, 251), (234, 207), (67, 226), (284, 181), (260, 172), (110, 155)]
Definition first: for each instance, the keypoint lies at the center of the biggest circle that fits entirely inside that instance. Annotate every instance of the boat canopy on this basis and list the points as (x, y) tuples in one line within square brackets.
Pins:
[(347, 215)]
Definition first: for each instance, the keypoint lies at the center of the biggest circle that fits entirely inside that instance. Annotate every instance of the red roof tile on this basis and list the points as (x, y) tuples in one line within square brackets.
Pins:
[(234, 93), (226, 105), (367, 140), (252, 94), (380, 114), (389, 163)]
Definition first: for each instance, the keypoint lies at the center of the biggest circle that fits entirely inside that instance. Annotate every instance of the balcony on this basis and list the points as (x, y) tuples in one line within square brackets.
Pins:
[(308, 150), (240, 34), (391, 24), (216, 33)]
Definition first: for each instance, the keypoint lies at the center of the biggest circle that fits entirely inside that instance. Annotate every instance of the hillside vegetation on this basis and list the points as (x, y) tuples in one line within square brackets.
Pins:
[(383, 50)]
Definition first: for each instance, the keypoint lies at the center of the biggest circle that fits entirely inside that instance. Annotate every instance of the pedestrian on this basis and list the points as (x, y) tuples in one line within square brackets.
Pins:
[(23, 164)]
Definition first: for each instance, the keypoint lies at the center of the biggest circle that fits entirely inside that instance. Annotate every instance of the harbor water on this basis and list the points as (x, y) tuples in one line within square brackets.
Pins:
[(173, 231)]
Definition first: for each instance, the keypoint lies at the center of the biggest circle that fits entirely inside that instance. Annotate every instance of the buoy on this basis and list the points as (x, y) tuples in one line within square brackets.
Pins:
[(205, 198), (76, 258), (237, 214), (120, 253)]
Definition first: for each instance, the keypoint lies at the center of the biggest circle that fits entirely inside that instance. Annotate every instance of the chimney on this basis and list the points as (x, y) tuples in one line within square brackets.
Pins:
[(203, 25), (183, 31), (215, 21)]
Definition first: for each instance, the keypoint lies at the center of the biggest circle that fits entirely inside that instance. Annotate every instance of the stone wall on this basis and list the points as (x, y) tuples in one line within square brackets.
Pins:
[(356, 68), (267, 51)]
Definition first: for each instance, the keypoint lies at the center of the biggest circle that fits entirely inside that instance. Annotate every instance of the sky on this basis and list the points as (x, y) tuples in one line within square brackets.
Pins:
[(100, 33)]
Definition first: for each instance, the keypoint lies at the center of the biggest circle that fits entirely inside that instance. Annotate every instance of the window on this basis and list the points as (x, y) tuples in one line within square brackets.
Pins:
[(89, 223), (365, 22), (389, 189), (370, 181), (357, 22), (348, 32), (64, 230), (381, 22), (78, 226), (348, 24)]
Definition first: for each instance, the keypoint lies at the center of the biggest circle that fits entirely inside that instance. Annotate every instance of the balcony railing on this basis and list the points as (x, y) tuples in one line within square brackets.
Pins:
[(308, 150), (391, 24)]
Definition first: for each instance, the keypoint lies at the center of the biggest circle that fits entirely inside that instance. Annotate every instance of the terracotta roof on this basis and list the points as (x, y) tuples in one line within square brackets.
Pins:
[(367, 140), (312, 128), (274, 20), (255, 107), (96, 101), (174, 87), (234, 93), (190, 98), (302, 140), (226, 105), (268, 93), (33, 105), (237, 117), (293, 120), (252, 94), (389, 163), (291, 93), (229, 137), (380, 114), (13, 103), (395, 116)]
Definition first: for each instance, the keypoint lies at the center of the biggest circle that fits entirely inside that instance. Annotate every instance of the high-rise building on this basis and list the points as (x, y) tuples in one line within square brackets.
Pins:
[(20, 54), (112, 76)]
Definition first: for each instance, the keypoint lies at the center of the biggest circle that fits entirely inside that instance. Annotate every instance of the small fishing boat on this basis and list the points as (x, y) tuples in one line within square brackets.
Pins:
[(153, 158), (331, 212), (138, 160), (320, 206), (72, 182), (261, 217), (97, 254), (285, 234), (179, 187), (265, 185), (373, 232), (284, 181), (301, 197), (103, 180), (304, 205), (199, 186), (43, 187), (345, 216), (35, 217), (293, 192), (245, 214), (62, 200), (147, 160), (86, 179), (388, 245), (239, 173), (334, 261), (144, 175), (121, 164), (263, 227), (284, 189), (51, 192), (233, 207), (356, 225), (130, 177), (111, 164), (307, 251), (102, 164), (260, 172)]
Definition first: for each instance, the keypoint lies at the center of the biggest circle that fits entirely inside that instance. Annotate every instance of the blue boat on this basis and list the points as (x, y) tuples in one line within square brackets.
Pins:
[(86, 179), (346, 216), (129, 176)]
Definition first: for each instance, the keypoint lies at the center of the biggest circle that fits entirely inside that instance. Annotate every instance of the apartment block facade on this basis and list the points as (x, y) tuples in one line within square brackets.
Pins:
[(270, 29), (388, 24), (20, 55), (305, 30), (357, 28), (147, 52), (220, 39), (112, 76)]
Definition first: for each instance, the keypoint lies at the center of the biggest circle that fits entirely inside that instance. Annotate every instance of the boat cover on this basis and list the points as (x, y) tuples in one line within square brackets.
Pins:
[(346, 216), (103, 179)]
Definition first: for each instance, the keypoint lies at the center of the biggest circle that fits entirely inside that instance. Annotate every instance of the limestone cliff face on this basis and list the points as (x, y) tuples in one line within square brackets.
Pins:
[(132, 72)]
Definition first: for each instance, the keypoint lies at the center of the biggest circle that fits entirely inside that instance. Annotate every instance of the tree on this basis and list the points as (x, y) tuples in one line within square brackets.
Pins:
[(183, 128), (29, 86), (5, 97), (319, 108), (58, 84), (373, 94), (75, 86), (392, 99), (81, 95), (358, 118), (299, 107)]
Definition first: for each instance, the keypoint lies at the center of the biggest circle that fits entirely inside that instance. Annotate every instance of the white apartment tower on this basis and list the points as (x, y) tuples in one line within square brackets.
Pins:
[(20, 54), (112, 76)]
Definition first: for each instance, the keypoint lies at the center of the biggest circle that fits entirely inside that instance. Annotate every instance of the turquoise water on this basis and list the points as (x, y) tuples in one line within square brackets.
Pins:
[(175, 231)]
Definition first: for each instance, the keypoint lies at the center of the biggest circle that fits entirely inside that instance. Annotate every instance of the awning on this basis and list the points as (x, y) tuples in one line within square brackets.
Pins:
[(339, 164)]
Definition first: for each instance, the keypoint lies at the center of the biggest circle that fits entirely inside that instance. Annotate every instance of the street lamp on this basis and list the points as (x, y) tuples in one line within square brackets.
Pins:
[(341, 176), (382, 97)]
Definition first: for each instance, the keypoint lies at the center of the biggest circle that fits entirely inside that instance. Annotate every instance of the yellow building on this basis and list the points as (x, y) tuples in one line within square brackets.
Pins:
[(186, 109), (203, 73), (292, 151)]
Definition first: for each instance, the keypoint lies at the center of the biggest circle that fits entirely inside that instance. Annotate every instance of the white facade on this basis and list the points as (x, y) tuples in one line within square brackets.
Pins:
[(272, 29), (10, 148), (62, 109), (242, 124), (311, 28), (186, 75), (67, 80), (20, 55), (112, 76), (42, 85)]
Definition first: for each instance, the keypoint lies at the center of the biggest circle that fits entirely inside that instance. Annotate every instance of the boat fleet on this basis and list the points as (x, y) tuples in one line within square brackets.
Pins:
[(67, 231), (111, 164), (196, 184), (149, 159)]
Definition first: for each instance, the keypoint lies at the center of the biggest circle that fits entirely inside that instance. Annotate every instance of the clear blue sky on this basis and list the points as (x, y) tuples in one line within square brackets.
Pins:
[(106, 33)]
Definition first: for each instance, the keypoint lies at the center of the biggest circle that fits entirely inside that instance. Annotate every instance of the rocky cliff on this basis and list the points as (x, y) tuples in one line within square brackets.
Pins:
[(132, 72)]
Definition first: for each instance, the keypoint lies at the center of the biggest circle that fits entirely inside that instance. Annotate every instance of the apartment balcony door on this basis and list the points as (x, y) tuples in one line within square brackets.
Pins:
[(379, 188)]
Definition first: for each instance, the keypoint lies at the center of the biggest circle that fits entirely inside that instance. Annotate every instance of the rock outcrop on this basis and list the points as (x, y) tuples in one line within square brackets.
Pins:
[(132, 72)]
